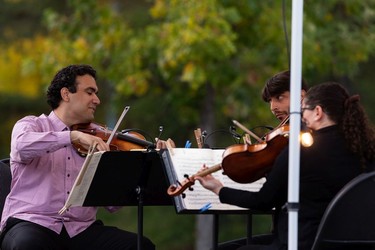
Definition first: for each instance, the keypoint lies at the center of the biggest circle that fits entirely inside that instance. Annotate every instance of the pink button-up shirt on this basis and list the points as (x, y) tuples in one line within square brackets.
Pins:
[(44, 167)]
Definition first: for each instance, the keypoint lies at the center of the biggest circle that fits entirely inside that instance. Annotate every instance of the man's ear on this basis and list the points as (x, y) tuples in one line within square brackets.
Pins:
[(64, 94)]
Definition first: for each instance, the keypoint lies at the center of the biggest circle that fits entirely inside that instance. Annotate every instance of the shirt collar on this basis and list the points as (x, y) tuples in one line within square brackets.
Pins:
[(57, 124)]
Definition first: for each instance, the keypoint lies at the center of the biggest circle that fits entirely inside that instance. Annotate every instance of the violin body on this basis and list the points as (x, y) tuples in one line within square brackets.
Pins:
[(245, 163), (120, 142)]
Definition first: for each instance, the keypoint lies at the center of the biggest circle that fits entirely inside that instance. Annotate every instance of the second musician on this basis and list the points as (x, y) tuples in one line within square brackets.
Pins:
[(344, 146)]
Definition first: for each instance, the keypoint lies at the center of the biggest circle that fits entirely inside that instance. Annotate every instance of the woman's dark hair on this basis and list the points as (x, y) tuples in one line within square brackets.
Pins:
[(278, 84), (66, 77), (348, 113)]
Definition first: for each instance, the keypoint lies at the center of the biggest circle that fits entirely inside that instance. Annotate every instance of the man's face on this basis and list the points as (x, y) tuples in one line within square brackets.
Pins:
[(82, 103), (280, 104)]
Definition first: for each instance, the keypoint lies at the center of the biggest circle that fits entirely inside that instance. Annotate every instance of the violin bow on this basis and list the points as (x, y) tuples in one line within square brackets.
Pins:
[(126, 109), (247, 131)]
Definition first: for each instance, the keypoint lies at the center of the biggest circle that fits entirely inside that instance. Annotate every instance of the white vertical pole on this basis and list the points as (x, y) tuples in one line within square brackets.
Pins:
[(295, 122)]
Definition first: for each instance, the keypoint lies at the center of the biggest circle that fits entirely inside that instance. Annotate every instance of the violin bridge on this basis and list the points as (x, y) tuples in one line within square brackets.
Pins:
[(247, 139)]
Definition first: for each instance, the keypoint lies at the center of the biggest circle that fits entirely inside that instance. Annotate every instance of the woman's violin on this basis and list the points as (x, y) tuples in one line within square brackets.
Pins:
[(120, 141), (245, 163)]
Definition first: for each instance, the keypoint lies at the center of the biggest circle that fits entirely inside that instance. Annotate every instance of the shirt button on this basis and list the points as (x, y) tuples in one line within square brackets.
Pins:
[(68, 158), (68, 175), (68, 192)]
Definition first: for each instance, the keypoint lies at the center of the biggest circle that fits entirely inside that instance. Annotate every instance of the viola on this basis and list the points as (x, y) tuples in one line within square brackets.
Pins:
[(245, 163), (120, 141)]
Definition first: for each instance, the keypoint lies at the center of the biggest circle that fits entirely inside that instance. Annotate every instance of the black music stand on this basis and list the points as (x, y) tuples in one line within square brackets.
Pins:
[(129, 178)]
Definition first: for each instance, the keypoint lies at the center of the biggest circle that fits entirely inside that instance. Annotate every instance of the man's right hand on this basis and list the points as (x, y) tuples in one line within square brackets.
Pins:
[(86, 140)]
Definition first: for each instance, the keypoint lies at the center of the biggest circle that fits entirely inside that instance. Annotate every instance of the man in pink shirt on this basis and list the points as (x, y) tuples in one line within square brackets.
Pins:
[(44, 166)]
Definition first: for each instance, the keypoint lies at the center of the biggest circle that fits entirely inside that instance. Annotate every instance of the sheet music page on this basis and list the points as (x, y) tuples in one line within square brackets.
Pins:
[(189, 161), (83, 181)]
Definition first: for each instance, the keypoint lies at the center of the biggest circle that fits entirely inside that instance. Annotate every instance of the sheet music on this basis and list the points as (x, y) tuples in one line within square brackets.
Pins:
[(189, 161), (83, 181)]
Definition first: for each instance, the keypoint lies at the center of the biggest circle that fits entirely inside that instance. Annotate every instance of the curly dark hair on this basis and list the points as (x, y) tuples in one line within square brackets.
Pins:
[(66, 77), (278, 84), (348, 113)]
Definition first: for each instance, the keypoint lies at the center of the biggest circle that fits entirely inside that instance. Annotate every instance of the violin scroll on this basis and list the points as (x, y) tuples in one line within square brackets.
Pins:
[(179, 188)]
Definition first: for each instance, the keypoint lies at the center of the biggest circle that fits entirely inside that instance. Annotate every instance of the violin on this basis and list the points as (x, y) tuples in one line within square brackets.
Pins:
[(244, 163), (120, 142)]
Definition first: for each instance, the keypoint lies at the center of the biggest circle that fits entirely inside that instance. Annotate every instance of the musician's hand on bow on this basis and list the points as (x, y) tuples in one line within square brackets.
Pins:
[(209, 182), (87, 140)]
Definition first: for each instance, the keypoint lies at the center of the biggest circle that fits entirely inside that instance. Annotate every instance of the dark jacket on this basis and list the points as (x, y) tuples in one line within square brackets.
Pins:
[(325, 168)]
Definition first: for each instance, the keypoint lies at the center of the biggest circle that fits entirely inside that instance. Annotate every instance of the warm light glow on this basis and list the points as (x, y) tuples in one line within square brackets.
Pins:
[(306, 139)]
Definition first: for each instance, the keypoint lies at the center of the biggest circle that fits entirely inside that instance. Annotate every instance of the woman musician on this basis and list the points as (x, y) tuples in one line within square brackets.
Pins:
[(344, 147)]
